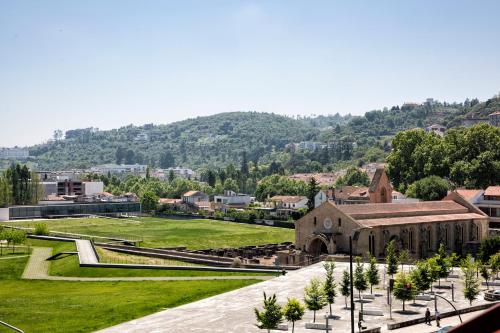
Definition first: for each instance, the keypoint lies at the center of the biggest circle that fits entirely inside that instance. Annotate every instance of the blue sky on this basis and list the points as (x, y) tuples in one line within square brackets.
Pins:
[(74, 64)]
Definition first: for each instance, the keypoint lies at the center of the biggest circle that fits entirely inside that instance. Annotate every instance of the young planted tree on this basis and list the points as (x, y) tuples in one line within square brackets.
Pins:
[(403, 258), (314, 297), (329, 285), (372, 273), (293, 311), (271, 316), (403, 288), (359, 282), (391, 261), (485, 273), (443, 263), (495, 264), (345, 286), (471, 283), (312, 189), (420, 276), (433, 269)]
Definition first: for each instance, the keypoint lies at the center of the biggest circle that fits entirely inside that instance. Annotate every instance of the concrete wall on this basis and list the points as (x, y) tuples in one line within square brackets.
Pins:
[(4, 214), (90, 188)]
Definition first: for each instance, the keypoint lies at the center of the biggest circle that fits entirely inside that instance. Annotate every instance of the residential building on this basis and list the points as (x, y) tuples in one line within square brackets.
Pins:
[(14, 153), (487, 201), (181, 172), (193, 197), (137, 169), (469, 122), (436, 129), (495, 118), (398, 197), (418, 227), (231, 199), (286, 205), (324, 196)]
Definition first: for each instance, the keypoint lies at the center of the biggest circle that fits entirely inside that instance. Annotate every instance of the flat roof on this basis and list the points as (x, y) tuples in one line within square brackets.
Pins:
[(419, 219)]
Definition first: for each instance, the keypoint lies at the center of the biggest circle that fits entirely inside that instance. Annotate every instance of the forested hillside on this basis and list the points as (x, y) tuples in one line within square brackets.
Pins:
[(215, 141)]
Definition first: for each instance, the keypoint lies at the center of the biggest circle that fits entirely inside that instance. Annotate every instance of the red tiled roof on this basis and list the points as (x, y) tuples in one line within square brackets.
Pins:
[(467, 194), (169, 201), (191, 193), (360, 192), (418, 219), (379, 210), (288, 198), (493, 191)]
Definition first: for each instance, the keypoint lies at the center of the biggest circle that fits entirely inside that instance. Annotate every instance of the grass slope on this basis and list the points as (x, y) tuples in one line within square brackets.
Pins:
[(161, 232), (68, 266), (62, 306)]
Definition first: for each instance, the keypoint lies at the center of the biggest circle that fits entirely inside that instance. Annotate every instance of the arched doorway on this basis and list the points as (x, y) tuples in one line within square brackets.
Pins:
[(318, 247)]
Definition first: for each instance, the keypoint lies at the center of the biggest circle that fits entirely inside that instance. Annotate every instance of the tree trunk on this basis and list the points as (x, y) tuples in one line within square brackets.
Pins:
[(314, 316), (345, 298), (330, 309), (371, 289), (293, 326), (439, 282), (403, 305)]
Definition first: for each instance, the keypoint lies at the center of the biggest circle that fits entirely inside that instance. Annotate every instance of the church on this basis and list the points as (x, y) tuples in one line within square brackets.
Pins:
[(418, 227)]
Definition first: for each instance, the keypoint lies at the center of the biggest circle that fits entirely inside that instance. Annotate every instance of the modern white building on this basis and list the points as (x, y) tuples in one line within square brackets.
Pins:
[(120, 168), (233, 198), (14, 153), (486, 200), (437, 129)]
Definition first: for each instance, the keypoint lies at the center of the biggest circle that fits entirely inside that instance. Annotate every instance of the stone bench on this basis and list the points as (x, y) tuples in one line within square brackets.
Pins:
[(367, 296), (373, 312), (424, 298), (317, 326)]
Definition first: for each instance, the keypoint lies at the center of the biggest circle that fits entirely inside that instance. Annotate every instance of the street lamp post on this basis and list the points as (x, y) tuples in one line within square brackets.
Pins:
[(351, 284)]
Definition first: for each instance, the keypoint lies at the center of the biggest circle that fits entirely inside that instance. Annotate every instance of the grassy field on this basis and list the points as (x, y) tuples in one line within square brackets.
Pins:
[(162, 232), (68, 266), (64, 306)]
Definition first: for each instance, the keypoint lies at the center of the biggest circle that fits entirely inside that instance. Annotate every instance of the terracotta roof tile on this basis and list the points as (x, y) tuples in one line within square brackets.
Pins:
[(493, 191), (419, 219), (288, 198), (379, 210), (467, 194)]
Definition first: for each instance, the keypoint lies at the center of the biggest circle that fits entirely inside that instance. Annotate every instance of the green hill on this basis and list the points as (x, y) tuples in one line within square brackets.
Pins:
[(215, 141)]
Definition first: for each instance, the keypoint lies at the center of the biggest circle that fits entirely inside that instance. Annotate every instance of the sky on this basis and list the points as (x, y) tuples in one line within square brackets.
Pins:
[(107, 64)]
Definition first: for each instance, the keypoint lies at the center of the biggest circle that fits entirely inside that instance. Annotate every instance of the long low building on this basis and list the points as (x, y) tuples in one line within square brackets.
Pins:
[(418, 227)]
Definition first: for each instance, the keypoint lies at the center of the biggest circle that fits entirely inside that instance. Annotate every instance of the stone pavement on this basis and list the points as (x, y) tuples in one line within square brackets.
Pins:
[(233, 311), (424, 328), (86, 252), (37, 267)]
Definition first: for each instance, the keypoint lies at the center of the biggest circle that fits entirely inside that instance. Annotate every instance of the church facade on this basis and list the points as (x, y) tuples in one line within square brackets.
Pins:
[(418, 227)]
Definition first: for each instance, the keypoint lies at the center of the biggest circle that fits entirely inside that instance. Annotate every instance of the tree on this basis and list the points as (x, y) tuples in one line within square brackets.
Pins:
[(329, 285), (442, 263), (403, 258), (403, 288), (312, 190), (495, 264), (421, 276), (489, 247), (244, 164), (391, 261), (353, 177), (471, 284), (293, 311), (485, 273), (345, 286), (271, 316), (434, 269), (314, 297), (431, 188), (171, 175), (149, 201), (372, 273), (167, 159), (360, 282)]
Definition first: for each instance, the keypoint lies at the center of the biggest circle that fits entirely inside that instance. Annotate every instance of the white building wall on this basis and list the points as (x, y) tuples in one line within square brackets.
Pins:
[(4, 214), (90, 188)]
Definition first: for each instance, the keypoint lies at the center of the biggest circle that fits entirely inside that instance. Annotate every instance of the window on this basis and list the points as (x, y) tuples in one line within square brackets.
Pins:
[(429, 238), (340, 222), (315, 220), (410, 240)]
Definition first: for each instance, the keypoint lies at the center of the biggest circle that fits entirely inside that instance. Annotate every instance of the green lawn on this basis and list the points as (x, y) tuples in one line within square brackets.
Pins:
[(63, 306), (69, 266), (162, 232)]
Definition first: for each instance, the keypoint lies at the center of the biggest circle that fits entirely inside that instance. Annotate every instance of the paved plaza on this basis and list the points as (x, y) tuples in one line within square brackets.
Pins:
[(233, 311)]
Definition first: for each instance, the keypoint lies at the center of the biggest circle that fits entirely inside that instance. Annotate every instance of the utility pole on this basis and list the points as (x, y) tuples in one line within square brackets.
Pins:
[(351, 284)]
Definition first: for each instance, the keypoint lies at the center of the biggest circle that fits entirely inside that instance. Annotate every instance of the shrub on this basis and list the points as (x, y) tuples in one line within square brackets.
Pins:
[(41, 229)]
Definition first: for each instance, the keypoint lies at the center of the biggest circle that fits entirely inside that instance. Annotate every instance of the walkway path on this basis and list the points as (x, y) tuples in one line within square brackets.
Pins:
[(86, 252), (14, 257), (38, 268)]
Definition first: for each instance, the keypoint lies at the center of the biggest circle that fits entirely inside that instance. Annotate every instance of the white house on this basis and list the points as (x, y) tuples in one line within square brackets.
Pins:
[(323, 196), (193, 197), (233, 198)]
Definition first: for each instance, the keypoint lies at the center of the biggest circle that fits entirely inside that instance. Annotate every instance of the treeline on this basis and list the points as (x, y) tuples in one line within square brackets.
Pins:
[(465, 157), (19, 186)]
